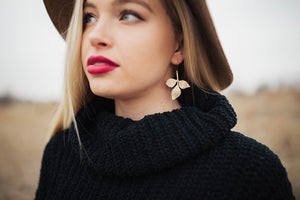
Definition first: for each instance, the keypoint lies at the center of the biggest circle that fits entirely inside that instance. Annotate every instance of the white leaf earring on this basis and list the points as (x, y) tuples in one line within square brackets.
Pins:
[(179, 84)]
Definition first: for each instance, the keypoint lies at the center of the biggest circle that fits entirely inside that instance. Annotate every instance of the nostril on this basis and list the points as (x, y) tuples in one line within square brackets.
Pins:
[(102, 44)]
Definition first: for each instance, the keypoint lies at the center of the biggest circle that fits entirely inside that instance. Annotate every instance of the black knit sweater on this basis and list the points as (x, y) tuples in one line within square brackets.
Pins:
[(189, 153)]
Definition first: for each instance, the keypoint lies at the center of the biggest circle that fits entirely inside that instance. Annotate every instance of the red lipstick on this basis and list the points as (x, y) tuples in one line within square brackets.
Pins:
[(100, 65)]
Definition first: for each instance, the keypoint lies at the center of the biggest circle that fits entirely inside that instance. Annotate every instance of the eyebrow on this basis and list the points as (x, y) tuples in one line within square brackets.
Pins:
[(140, 2), (87, 4), (117, 2)]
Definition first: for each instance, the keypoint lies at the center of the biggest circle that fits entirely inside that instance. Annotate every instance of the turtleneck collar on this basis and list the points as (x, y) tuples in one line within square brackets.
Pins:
[(117, 146)]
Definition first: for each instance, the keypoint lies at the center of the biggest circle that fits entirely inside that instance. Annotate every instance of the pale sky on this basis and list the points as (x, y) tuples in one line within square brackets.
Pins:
[(261, 39)]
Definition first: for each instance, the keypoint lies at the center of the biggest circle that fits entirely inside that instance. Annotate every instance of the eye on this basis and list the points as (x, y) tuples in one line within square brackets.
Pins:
[(88, 18), (130, 16)]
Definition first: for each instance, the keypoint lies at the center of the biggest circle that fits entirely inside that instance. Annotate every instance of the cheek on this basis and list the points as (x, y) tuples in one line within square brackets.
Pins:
[(153, 46), (83, 49)]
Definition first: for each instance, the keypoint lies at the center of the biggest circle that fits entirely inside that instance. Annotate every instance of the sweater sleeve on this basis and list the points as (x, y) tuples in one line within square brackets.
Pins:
[(47, 166), (267, 176)]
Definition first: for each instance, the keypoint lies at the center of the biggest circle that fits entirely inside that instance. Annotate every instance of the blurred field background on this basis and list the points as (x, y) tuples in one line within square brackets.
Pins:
[(261, 39), (271, 117)]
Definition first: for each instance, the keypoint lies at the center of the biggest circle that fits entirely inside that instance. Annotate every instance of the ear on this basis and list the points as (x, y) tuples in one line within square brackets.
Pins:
[(177, 57)]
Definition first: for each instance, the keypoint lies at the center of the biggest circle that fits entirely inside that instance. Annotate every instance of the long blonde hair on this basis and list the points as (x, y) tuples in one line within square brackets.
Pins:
[(77, 92)]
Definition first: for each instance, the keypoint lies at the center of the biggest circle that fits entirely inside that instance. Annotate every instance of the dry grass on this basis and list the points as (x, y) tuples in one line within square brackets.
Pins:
[(23, 136), (272, 118)]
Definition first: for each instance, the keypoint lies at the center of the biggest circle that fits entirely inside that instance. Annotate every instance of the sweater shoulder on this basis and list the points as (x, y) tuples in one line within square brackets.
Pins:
[(58, 138), (252, 152), (56, 144), (51, 161), (249, 145), (260, 166)]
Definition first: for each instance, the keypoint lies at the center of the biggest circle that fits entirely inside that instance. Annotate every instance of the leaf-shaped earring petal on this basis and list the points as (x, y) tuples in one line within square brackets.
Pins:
[(183, 84), (176, 92), (171, 82)]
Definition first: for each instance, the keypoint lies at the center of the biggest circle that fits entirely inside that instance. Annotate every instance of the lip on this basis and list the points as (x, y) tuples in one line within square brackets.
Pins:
[(106, 65)]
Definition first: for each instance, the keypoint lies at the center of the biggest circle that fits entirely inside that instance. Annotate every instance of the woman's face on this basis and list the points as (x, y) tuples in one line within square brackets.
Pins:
[(127, 47)]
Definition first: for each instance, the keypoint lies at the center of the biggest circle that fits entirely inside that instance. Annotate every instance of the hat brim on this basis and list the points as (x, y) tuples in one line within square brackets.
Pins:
[(60, 12)]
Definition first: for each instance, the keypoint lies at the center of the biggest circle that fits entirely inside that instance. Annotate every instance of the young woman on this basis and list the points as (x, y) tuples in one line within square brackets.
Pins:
[(141, 116)]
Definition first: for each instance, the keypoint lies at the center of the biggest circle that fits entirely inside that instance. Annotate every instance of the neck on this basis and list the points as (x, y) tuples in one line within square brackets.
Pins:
[(138, 107)]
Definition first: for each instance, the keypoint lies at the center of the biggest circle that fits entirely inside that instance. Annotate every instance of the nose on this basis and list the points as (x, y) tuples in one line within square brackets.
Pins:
[(100, 35)]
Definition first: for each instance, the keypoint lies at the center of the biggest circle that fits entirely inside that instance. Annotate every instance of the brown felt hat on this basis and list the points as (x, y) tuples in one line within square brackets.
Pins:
[(60, 12)]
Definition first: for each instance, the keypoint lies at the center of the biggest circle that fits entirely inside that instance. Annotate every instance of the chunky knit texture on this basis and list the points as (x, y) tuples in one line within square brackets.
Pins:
[(189, 153)]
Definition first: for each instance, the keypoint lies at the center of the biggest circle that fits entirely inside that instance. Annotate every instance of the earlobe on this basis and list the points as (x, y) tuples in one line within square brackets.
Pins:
[(177, 57)]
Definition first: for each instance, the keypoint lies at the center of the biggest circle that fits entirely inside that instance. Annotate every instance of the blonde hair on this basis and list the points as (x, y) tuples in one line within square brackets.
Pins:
[(77, 92), (196, 62)]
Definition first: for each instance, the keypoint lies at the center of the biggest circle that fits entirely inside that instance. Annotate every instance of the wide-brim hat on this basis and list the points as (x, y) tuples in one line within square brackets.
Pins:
[(60, 12)]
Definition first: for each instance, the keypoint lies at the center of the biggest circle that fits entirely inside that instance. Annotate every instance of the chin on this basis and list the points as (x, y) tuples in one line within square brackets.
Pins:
[(105, 91), (98, 91), (99, 86), (114, 93)]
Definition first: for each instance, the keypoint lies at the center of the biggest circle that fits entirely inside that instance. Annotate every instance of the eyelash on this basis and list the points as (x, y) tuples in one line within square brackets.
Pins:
[(130, 12), (122, 14), (86, 18)]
